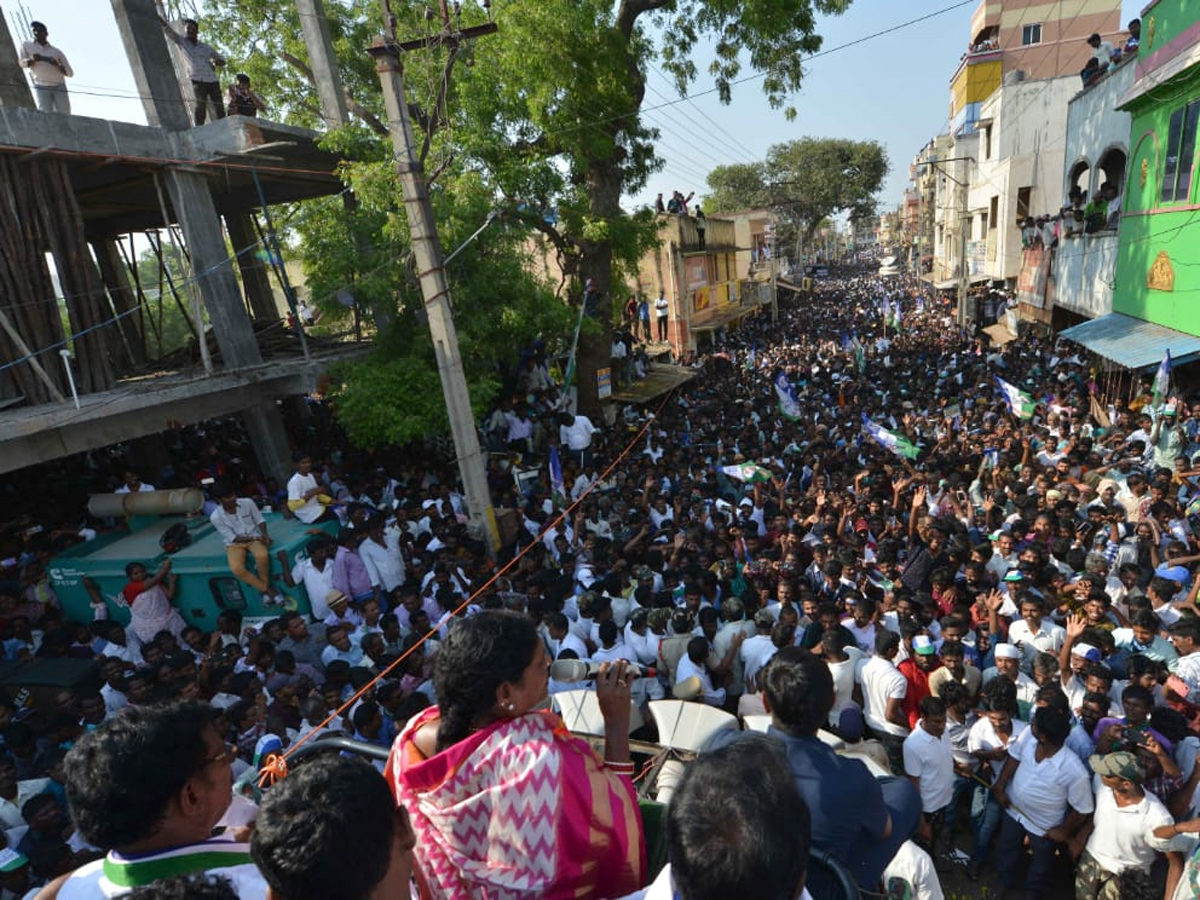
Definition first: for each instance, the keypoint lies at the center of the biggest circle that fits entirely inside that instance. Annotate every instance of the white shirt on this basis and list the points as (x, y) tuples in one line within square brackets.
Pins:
[(244, 521), (299, 485), (142, 488), (1122, 838), (931, 760), (843, 682), (1044, 790), (49, 75), (984, 737), (881, 681), (384, 564), (686, 669), (755, 653), (1049, 639), (577, 435), (662, 306), (317, 583), (663, 888)]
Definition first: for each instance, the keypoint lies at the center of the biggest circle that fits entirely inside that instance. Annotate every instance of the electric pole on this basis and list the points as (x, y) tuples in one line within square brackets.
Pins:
[(427, 250)]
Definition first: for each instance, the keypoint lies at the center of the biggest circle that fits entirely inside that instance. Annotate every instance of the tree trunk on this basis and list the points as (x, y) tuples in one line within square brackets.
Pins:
[(604, 180)]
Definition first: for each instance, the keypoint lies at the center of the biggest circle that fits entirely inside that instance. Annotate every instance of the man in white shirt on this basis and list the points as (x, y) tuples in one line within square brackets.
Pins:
[(1120, 835), (50, 70), (1008, 661), (202, 63), (575, 433), (243, 531), (1047, 796), (381, 557), (662, 307), (929, 764), (1031, 635), (884, 688), (692, 665), (307, 499), (757, 651), (133, 484), (315, 573)]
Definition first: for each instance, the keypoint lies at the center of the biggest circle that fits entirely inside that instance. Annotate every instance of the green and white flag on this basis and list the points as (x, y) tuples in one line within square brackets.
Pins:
[(897, 443), (747, 473), (1019, 402)]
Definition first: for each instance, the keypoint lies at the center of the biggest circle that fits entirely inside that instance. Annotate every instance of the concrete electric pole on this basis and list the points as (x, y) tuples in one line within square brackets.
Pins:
[(427, 249)]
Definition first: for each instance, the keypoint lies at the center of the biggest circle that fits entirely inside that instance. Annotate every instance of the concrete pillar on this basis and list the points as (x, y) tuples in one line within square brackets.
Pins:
[(212, 268), (315, 26), (150, 60), (264, 426), (256, 280), (14, 85), (116, 282)]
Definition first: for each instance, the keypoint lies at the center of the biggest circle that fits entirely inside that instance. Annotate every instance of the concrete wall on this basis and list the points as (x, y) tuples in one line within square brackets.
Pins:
[(1084, 268), (1028, 122), (1095, 126)]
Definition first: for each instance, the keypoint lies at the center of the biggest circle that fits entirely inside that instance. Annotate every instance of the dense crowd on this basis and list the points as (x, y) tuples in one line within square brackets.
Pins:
[(968, 568)]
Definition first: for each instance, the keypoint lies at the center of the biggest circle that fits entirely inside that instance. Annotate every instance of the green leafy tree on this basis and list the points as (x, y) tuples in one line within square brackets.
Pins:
[(736, 187), (544, 114), (814, 179)]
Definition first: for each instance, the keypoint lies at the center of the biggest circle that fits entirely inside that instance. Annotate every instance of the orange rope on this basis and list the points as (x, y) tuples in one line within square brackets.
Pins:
[(275, 766)]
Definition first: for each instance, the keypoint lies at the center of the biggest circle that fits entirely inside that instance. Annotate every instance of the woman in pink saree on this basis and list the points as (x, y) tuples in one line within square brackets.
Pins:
[(505, 802)]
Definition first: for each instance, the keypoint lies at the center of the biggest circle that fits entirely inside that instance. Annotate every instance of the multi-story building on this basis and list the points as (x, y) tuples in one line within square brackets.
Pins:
[(1038, 39), (1157, 271), (1022, 129), (1097, 147)]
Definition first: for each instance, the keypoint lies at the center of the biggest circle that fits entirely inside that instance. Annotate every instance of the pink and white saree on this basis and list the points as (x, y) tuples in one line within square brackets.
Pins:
[(520, 809)]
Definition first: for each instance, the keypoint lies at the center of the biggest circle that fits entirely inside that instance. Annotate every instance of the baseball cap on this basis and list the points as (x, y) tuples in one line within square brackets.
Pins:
[(1006, 651), (923, 645), (1087, 651), (1173, 573), (1014, 575), (1120, 764)]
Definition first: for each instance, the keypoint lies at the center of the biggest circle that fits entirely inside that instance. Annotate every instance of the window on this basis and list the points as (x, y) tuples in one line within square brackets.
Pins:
[(987, 142), (1023, 196), (993, 212), (1112, 165), (1032, 34), (1181, 150)]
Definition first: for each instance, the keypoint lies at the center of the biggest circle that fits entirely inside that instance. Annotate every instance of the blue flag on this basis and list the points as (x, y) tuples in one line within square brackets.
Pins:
[(556, 476), (789, 405), (1162, 378)]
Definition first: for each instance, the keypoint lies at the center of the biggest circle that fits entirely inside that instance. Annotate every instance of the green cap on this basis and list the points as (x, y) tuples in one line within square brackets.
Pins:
[(1119, 764)]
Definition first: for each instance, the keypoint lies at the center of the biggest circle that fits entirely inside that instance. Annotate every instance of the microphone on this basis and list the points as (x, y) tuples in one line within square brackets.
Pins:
[(574, 670)]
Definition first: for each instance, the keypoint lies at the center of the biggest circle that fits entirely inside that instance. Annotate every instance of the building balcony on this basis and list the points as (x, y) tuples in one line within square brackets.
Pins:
[(1084, 268)]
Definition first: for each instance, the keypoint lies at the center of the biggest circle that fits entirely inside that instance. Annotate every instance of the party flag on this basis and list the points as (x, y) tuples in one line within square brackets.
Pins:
[(788, 404), (1019, 403), (897, 443), (1162, 380)]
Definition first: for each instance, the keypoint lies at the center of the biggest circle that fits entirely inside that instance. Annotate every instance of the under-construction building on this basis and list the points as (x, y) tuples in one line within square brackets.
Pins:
[(77, 323)]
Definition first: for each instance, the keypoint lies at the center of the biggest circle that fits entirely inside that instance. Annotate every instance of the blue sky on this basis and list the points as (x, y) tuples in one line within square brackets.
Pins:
[(893, 89)]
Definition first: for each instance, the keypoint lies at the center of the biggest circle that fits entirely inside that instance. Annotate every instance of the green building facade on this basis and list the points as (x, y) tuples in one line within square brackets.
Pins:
[(1158, 267)]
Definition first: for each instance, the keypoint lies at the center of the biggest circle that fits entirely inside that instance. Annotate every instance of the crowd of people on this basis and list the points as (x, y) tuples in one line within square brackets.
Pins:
[(959, 581)]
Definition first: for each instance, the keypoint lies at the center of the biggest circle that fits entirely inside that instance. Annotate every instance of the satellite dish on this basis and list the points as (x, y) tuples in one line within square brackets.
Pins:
[(345, 298)]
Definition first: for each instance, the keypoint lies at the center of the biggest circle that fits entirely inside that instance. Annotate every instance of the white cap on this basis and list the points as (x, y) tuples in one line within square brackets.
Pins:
[(1006, 651)]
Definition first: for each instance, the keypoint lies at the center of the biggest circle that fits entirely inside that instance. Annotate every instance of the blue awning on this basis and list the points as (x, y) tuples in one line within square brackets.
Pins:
[(1132, 343)]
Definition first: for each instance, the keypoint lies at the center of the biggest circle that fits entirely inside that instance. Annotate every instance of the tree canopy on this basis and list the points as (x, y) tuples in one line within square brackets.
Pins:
[(541, 119), (807, 181)]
